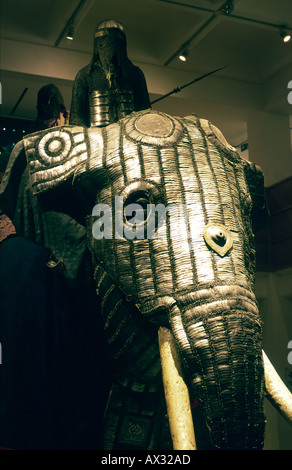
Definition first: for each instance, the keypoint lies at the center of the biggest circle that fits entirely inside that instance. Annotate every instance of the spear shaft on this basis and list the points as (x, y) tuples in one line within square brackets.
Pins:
[(179, 88)]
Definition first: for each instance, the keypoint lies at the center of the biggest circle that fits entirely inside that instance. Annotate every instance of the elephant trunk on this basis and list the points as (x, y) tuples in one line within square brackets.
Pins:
[(219, 336)]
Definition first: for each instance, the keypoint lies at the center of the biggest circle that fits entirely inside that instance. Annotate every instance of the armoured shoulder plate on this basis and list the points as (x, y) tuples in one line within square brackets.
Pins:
[(106, 108)]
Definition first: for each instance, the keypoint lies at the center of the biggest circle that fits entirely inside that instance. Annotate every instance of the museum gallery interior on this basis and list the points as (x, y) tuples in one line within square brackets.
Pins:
[(146, 225)]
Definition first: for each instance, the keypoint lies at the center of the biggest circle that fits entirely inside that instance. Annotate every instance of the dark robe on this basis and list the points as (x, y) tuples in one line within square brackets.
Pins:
[(54, 374)]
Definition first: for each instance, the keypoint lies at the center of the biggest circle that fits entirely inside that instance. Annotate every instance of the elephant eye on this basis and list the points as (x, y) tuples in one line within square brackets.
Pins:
[(139, 202), (141, 199), (219, 238)]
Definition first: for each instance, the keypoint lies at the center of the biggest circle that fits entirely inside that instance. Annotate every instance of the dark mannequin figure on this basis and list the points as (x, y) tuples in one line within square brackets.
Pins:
[(51, 110), (110, 87)]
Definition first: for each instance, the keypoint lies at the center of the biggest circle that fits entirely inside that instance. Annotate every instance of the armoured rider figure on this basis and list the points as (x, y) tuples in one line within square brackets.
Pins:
[(110, 86)]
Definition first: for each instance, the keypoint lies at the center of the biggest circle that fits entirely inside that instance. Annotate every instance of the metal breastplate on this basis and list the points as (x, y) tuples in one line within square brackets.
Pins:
[(106, 108)]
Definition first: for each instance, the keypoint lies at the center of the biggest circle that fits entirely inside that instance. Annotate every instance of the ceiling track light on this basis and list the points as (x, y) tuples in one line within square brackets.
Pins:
[(284, 35), (70, 32), (183, 55), (227, 8)]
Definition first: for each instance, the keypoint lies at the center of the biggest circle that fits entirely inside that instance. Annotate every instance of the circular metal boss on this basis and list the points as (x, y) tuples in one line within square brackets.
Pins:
[(54, 147), (154, 128), (155, 125)]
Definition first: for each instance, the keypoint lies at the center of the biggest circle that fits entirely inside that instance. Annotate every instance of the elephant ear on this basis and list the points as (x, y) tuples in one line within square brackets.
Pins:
[(38, 196)]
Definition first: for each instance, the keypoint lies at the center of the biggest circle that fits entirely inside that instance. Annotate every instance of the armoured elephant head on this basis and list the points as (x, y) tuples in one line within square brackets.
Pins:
[(169, 225)]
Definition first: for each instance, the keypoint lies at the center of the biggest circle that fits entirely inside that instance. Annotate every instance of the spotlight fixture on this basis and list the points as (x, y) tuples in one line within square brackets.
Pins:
[(70, 32), (227, 7), (183, 55), (285, 36)]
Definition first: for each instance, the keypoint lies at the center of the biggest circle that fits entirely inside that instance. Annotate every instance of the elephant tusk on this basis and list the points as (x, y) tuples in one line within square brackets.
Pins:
[(176, 394), (277, 392)]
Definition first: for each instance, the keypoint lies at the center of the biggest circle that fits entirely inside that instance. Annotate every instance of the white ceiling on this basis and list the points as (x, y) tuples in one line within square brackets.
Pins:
[(35, 51)]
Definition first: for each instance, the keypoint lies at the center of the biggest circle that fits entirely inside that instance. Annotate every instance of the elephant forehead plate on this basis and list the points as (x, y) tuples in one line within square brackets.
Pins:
[(154, 128)]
